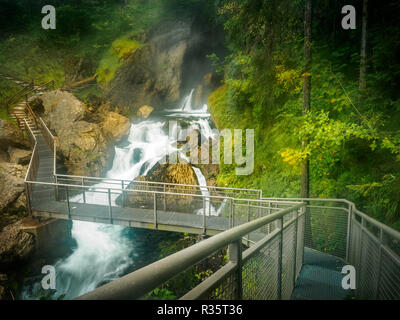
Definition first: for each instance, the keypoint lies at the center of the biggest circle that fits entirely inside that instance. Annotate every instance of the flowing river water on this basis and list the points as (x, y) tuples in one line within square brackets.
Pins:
[(106, 252)]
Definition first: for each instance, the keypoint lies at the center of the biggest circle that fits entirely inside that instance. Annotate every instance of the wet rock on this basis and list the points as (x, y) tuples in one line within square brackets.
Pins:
[(11, 136), (85, 141), (145, 111), (84, 148), (116, 126), (62, 108), (20, 203), (20, 156), (179, 173), (15, 244), (11, 183)]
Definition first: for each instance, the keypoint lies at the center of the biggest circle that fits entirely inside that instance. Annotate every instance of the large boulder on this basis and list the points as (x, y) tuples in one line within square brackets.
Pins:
[(179, 173), (15, 244), (62, 108), (84, 148), (116, 126), (11, 136), (85, 141), (11, 183)]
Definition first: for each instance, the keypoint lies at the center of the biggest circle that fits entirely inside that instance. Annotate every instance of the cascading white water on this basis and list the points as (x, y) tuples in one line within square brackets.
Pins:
[(187, 102), (103, 253)]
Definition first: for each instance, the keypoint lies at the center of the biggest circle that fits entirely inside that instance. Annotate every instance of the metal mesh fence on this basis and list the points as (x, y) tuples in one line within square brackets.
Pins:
[(269, 267), (373, 254), (226, 290), (300, 243), (288, 259), (326, 230), (260, 273), (389, 283)]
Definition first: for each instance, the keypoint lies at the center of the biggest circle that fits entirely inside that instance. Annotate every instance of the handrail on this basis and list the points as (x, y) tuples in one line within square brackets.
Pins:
[(77, 186), (153, 182), (138, 283)]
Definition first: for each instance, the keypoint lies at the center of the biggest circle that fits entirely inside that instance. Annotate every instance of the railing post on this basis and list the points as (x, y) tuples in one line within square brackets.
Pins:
[(155, 211), (165, 199), (57, 190), (378, 281), (235, 256), (230, 213), (204, 215), (295, 248), (280, 258), (361, 257), (84, 191), (109, 207), (348, 238), (248, 220), (123, 193), (28, 199), (269, 212), (209, 207), (68, 206), (233, 213)]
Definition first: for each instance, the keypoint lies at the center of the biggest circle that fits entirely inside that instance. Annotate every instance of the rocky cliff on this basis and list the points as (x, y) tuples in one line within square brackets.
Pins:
[(85, 140)]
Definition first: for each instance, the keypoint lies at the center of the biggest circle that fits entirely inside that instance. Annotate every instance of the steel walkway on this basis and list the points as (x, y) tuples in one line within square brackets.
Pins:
[(320, 278)]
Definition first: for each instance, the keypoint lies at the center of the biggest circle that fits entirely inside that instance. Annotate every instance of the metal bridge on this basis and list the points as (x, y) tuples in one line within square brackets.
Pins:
[(278, 248)]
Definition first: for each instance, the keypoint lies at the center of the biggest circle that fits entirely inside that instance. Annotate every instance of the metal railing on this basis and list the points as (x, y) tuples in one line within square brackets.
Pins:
[(283, 248), (340, 229), (25, 92)]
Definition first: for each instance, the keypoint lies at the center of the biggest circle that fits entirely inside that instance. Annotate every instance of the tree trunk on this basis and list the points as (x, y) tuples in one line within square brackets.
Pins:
[(306, 93), (305, 178), (363, 54)]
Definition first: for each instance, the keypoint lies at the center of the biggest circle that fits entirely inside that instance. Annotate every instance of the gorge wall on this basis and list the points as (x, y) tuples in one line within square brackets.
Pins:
[(171, 62)]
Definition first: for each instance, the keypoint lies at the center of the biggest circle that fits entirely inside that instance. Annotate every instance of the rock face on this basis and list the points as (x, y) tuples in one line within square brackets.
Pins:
[(11, 136), (153, 74), (20, 156), (11, 183), (209, 83), (15, 244), (169, 173), (86, 145)]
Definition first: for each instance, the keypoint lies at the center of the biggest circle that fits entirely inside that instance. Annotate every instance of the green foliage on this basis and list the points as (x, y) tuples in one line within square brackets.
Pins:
[(353, 138), (120, 49)]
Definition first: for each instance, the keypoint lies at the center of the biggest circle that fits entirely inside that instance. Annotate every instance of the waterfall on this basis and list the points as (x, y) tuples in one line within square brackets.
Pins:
[(103, 253), (187, 102)]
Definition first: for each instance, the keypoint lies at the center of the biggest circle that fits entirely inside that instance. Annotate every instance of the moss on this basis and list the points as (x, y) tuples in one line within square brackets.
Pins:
[(120, 49), (123, 47), (107, 68)]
